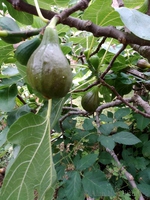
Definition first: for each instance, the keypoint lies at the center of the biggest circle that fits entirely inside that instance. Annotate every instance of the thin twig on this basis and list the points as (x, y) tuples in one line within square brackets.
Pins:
[(123, 100), (99, 46), (78, 112), (129, 177), (112, 61)]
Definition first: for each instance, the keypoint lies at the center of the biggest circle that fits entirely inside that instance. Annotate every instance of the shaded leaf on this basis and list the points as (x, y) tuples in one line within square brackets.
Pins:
[(144, 188), (96, 185), (7, 100), (87, 125), (6, 82), (73, 185), (125, 137), (3, 136), (17, 113), (86, 161), (146, 149), (122, 112), (6, 51), (106, 129), (105, 158), (107, 141), (142, 121)]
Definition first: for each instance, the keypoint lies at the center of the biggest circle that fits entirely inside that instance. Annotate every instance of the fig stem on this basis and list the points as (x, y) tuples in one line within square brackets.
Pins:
[(53, 21), (49, 109), (39, 12)]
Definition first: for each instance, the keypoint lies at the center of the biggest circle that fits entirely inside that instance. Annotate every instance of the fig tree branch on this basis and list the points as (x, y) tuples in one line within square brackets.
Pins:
[(81, 5), (123, 100), (85, 25), (112, 61), (139, 101), (99, 46), (129, 177)]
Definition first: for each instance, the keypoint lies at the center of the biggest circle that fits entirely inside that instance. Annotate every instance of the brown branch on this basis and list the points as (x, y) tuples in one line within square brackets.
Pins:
[(108, 105), (139, 101), (21, 99), (99, 46), (120, 3), (88, 87), (142, 50), (129, 177), (81, 5), (84, 25), (112, 61), (78, 112), (123, 100)]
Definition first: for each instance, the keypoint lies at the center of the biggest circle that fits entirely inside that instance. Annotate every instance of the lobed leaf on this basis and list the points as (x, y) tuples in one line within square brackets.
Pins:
[(33, 168)]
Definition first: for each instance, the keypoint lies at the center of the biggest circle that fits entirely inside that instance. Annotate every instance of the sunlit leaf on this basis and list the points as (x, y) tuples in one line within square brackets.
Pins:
[(33, 169), (135, 21), (101, 13)]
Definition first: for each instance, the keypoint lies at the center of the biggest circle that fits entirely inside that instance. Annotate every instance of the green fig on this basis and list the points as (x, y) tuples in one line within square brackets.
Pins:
[(48, 70), (90, 100), (25, 50)]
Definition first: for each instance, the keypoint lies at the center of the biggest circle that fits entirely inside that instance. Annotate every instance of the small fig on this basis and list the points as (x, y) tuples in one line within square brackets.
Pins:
[(90, 100), (94, 60), (143, 64)]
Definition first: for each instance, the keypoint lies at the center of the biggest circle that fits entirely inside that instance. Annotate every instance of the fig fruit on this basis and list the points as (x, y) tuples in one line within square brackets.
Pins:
[(94, 60), (90, 100), (143, 64), (25, 50), (48, 70), (8, 24)]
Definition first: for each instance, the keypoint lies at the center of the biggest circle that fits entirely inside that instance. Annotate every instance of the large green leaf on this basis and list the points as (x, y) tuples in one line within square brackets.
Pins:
[(144, 188), (86, 161), (125, 137), (73, 186), (101, 13), (142, 122), (33, 169), (96, 185), (107, 141), (122, 112), (135, 21)]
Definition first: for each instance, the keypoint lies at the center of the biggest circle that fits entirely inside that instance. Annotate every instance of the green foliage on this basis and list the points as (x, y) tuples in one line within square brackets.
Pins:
[(69, 153), (33, 139), (135, 21)]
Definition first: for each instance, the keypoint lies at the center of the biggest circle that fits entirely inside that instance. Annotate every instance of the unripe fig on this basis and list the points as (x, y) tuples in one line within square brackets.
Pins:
[(94, 60), (48, 70), (25, 50), (90, 100), (143, 64)]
